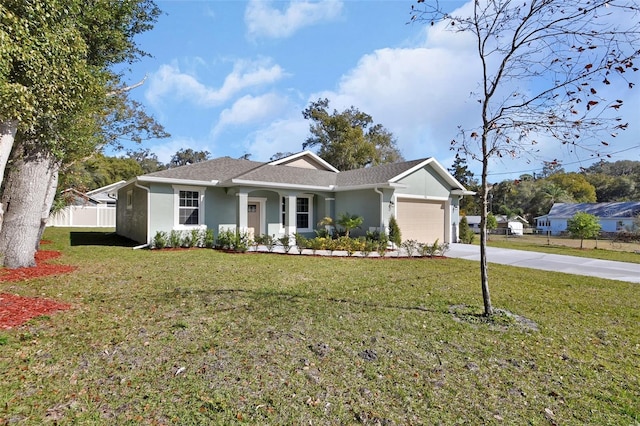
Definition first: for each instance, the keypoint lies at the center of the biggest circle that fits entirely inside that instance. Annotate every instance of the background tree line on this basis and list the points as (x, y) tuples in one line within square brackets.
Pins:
[(533, 195)]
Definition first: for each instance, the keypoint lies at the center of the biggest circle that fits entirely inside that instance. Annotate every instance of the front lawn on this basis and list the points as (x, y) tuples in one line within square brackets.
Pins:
[(205, 337)]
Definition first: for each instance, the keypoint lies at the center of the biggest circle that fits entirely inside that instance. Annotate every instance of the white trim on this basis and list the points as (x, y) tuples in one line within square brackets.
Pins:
[(106, 188), (176, 207), (148, 191), (274, 185), (421, 197), (306, 153), (310, 213), (295, 226), (389, 185), (154, 179), (437, 167), (263, 211)]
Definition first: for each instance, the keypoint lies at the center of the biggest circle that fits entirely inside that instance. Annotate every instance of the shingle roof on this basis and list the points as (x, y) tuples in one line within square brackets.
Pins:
[(624, 209), (220, 169), (376, 174), (226, 170), (290, 175)]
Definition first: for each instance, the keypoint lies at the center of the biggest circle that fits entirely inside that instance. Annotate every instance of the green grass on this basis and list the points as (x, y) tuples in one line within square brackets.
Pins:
[(603, 249), (204, 337)]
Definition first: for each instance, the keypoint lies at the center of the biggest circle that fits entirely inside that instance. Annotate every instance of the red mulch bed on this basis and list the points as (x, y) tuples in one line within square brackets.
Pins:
[(16, 310), (42, 268)]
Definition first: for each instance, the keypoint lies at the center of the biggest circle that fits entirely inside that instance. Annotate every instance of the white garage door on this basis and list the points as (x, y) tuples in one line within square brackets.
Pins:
[(421, 220)]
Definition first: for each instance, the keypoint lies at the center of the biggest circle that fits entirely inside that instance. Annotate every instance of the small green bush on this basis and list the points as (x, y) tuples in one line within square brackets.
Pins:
[(209, 239), (395, 236), (285, 242), (160, 240), (411, 246), (301, 242), (175, 238)]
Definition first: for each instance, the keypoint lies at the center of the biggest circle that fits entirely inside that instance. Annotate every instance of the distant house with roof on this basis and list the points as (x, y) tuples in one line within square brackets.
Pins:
[(96, 208), (613, 216), (511, 225), (291, 195)]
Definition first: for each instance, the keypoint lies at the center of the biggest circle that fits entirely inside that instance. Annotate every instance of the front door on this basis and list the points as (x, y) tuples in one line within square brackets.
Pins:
[(253, 219)]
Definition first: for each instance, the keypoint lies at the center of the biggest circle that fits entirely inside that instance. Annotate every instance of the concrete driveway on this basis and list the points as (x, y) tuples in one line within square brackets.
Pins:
[(621, 271)]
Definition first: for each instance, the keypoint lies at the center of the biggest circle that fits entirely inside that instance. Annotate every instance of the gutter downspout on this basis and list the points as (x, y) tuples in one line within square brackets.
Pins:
[(381, 209), (137, 185)]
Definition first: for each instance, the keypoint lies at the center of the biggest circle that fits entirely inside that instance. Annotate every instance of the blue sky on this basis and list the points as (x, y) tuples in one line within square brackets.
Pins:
[(232, 78)]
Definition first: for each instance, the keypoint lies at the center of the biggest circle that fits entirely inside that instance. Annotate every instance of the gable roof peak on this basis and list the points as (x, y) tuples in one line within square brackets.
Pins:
[(306, 153)]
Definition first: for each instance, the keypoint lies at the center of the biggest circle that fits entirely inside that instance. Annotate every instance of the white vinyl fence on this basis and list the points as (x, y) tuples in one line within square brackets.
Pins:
[(86, 216)]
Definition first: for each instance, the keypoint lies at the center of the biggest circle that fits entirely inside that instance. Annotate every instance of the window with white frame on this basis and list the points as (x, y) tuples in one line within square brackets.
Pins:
[(304, 209), (188, 206)]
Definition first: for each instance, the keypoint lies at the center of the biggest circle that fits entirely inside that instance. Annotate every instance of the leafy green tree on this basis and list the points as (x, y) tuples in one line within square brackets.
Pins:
[(348, 139), (147, 160), (187, 156), (61, 93), (349, 222), (583, 225), (576, 185), (492, 222), (541, 65)]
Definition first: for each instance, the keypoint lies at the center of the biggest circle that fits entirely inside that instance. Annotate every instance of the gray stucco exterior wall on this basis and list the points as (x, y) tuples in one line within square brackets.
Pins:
[(365, 203), (131, 219)]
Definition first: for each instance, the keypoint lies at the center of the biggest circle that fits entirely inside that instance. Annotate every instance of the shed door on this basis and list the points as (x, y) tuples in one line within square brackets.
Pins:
[(421, 220)]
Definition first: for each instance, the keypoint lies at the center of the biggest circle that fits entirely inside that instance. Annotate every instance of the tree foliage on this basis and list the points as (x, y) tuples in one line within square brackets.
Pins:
[(542, 64), (583, 225), (187, 156), (59, 90), (349, 139)]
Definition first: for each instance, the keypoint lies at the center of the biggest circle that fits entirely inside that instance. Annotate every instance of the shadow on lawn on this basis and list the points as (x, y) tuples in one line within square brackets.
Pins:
[(100, 239)]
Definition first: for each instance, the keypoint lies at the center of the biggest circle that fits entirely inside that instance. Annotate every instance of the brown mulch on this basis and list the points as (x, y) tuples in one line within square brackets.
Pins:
[(16, 310)]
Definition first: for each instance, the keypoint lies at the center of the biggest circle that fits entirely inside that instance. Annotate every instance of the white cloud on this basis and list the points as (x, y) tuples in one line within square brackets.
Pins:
[(264, 20), (165, 150), (284, 135), (250, 110), (170, 81)]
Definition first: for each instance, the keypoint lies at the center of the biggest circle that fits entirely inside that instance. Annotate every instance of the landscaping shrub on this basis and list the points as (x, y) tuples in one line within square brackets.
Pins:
[(160, 240), (395, 236), (466, 234), (411, 246), (285, 242), (175, 238)]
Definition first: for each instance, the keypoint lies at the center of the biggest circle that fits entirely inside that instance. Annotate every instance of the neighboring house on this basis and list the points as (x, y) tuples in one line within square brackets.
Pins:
[(96, 208), (614, 216), (515, 225), (291, 195)]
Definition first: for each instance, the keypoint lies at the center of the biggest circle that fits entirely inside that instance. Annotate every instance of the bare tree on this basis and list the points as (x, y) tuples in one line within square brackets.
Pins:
[(543, 66)]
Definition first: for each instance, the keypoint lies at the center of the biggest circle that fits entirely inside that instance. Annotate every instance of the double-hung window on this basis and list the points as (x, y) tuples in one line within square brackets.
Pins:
[(189, 207), (304, 209)]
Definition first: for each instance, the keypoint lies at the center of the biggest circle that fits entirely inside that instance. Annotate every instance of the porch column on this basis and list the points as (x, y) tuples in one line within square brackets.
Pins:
[(242, 216), (448, 216), (290, 214)]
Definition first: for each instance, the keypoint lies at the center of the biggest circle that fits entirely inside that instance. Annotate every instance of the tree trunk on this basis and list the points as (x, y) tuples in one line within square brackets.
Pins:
[(8, 130), (48, 202), (22, 199)]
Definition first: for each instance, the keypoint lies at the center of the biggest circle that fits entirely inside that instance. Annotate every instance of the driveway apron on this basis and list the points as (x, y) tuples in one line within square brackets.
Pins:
[(621, 271)]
